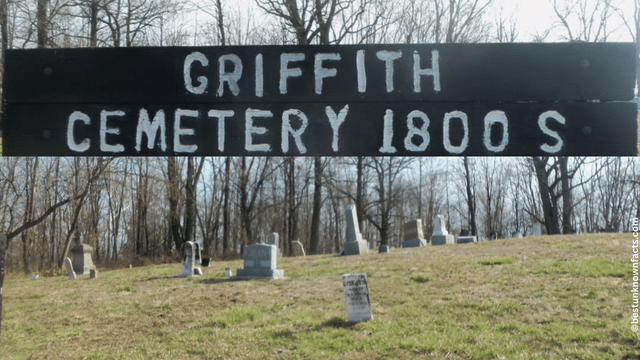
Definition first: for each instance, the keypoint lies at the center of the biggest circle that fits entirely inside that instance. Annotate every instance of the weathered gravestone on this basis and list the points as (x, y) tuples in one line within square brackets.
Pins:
[(354, 244), (537, 229), (413, 235), (82, 258), (273, 239), (383, 249), (440, 234), (227, 272), (356, 293), (206, 262), (197, 254), (188, 259), (70, 272), (298, 249), (466, 239), (260, 262), (93, 274)]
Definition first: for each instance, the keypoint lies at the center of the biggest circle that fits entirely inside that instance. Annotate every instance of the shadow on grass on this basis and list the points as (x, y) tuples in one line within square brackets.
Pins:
[(215, 281), (335, 322)]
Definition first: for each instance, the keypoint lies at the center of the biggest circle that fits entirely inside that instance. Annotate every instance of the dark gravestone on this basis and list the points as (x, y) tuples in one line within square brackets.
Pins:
[(383, 249), (206, 262)]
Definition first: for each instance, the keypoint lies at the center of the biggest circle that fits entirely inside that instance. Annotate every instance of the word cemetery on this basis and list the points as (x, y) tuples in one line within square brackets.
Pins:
[(366, 100)]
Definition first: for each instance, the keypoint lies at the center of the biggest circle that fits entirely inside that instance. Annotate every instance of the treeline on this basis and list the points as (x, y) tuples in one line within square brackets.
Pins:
[(148, 207)]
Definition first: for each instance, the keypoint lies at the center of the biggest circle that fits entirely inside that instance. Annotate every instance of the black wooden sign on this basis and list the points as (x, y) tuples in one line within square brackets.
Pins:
[(370, 100)]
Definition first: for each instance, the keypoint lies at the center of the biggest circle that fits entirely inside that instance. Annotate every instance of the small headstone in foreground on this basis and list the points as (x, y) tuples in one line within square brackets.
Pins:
[(33, 277), (354, 244), (440, 234), (188, 259), (72, 274), (298, 249), (413, 235), (383, 249), (227, 272), (93, 273), (260, 262), (356, 293), (197, 270)]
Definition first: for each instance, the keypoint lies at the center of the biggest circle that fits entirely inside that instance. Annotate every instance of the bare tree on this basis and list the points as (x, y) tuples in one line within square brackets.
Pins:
[(583, 20)]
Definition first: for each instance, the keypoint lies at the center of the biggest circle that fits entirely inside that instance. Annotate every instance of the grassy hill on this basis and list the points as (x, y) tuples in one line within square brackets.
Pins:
[(563, 297)]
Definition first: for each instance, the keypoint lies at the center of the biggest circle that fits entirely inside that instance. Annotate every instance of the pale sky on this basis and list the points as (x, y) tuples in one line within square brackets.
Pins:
[(533, 16)]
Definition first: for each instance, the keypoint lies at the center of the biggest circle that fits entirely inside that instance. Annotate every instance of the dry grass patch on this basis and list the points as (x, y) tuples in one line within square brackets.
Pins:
[(539, 298)]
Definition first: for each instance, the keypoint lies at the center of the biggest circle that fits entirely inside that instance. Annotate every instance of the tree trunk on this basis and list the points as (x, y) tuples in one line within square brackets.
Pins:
[(471, 201), (42, 23), (173, 189), (226, 206), (314, 242), (548, 205), (567, 196)]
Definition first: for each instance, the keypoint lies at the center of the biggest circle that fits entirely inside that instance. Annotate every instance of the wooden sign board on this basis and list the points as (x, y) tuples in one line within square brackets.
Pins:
[(369, 100)]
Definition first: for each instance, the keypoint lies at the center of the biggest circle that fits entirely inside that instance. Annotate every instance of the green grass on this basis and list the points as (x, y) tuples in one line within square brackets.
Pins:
[(515, 299)]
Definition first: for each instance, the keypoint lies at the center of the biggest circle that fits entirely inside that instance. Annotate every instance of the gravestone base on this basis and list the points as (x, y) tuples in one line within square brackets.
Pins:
[(357, 247), (414, 243), (466, 239), (258, 274), (442, 240)]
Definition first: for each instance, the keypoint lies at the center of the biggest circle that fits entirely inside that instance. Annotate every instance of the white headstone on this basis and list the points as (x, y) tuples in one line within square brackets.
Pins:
[(188, 259), (227, 272), (72, 274), (197, 270), (439, 226), (356, 293)]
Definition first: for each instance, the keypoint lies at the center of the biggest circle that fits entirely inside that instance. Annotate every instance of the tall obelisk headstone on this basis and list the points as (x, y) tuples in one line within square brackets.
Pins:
[(354, 244)]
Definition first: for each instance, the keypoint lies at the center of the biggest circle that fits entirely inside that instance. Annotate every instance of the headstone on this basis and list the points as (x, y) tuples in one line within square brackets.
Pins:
[(93, 273), (413, 235), (33, 277), (466, 239), (72, 274), (227, 272), (197, 254), (516, 235), (356, 293), (188, 259), (273, 239), (206, 262), (537, 229), (440, 234), (383, 249), (465, 232), (354, 244), (260, 262), (197, 270), (298, 249), (82, 258)]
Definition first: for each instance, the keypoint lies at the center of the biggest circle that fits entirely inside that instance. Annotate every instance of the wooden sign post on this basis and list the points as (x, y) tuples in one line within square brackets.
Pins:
[(368, 100)]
